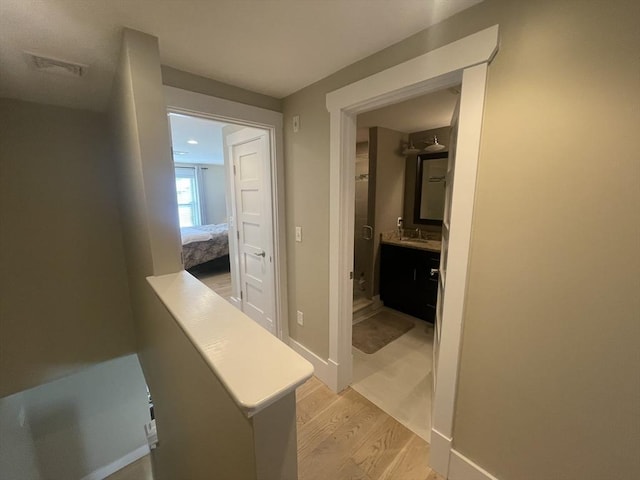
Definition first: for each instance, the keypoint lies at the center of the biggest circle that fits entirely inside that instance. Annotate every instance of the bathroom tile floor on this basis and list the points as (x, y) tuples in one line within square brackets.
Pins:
[(398, 377), (360, 303)]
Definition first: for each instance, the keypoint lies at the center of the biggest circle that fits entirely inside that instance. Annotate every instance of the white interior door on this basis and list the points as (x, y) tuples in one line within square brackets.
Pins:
[(446, 225), (249, 150)]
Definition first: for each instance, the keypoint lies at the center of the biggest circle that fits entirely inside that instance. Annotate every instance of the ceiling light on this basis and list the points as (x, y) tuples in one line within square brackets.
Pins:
[(192, 142), (179, 152)]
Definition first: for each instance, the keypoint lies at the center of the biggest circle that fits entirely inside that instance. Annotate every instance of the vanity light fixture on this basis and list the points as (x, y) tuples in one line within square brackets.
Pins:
[(434, 146)]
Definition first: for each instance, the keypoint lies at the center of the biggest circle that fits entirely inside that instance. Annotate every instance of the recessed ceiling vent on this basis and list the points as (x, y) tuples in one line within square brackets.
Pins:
[(54, 65)]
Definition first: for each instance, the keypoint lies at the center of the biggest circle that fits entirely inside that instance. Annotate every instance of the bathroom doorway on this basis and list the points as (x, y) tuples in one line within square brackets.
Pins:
[(462, 62), (396, 253)]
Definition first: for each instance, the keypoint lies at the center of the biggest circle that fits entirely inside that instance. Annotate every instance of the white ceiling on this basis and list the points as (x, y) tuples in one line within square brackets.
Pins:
[(273, 47), (208, 134), (422, 113)]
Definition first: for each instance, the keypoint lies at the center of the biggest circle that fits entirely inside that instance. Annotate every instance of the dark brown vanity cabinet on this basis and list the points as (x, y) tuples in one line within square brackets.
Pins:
[(409, 280)]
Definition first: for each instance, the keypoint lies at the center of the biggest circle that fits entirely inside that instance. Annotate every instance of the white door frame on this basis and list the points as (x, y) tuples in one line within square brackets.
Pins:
[(464, 61), (205, 106)]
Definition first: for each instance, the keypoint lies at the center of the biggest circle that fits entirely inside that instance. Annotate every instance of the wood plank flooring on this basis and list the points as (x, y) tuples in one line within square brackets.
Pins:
[(219, 282), (138, 470), (342, 437), (345, 436)]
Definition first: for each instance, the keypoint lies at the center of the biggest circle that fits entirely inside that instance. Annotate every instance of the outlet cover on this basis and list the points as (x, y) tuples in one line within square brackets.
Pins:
[(298, 234), (300, 317)]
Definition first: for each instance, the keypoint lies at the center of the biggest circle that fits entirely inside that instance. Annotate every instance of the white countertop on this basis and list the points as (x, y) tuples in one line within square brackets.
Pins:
[(255, 367)]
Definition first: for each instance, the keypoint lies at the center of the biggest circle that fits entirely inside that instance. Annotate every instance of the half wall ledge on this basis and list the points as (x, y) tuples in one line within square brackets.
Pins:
[(256, 368)]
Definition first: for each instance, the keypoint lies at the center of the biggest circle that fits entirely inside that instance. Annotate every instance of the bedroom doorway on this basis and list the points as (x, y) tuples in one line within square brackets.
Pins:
[(223, 171), (203, 210)]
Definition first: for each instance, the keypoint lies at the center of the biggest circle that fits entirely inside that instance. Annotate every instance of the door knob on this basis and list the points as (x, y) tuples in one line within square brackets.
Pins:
[(260, 253), (434, 272)]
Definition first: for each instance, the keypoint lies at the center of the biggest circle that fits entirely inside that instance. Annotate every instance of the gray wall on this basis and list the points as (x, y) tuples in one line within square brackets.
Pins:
[(202, 433), (73, 426), (388, 175), (74, 398), (195, 83), (65, 302), (214, 185), (548, 377)]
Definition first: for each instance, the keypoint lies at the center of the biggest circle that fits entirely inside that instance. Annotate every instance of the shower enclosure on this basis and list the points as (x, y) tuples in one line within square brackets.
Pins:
[(363, 231)]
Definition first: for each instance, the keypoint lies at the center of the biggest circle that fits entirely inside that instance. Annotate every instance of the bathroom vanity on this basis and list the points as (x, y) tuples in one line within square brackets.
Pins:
[(409, 275)]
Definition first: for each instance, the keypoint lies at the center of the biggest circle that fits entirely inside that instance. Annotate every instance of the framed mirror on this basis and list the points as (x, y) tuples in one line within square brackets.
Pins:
[(429, 193)]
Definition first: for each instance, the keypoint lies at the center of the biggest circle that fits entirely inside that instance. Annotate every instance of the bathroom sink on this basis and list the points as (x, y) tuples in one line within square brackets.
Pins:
[(432, 242), (420, 240), (421, 243)]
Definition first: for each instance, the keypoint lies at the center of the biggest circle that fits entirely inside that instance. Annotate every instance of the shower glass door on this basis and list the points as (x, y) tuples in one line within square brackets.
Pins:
[(363, 231)]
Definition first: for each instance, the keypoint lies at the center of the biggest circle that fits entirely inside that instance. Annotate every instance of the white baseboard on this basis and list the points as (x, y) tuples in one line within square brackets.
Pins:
[(119, 464), (326, 371), (440, 453), (461, 468)]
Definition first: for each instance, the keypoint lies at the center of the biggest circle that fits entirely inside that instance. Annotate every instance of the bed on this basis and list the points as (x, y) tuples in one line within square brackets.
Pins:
[(204, 243)]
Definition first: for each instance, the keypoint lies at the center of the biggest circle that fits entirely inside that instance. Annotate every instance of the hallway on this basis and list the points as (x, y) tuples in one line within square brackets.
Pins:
[(341, 437)]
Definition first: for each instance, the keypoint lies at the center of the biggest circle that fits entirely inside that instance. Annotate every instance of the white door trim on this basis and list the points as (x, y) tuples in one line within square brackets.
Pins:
[(205, 106), (446, 66)]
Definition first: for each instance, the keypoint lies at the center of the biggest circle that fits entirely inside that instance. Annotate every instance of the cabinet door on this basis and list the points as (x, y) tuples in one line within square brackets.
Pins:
[(397, 274), (407, 283), (427, 285)]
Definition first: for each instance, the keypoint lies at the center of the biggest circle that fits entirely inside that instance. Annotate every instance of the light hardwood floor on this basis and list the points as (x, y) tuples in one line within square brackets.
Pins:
[(219, 282), (342, 437), (345, 436), (138, 470)]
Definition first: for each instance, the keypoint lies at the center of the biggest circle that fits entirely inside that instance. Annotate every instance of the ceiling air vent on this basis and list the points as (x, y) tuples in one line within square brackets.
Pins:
[(54, 65)]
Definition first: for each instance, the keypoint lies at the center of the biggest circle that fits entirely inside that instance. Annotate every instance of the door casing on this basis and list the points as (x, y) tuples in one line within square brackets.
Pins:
[(464, 62)]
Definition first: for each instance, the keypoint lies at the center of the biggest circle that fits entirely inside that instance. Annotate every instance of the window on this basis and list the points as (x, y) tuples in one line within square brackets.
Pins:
[(188, 198)]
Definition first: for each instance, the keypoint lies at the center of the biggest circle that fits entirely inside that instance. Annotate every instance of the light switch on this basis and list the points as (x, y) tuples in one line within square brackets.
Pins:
[(298, 234), (300, 318), (296, 123)]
